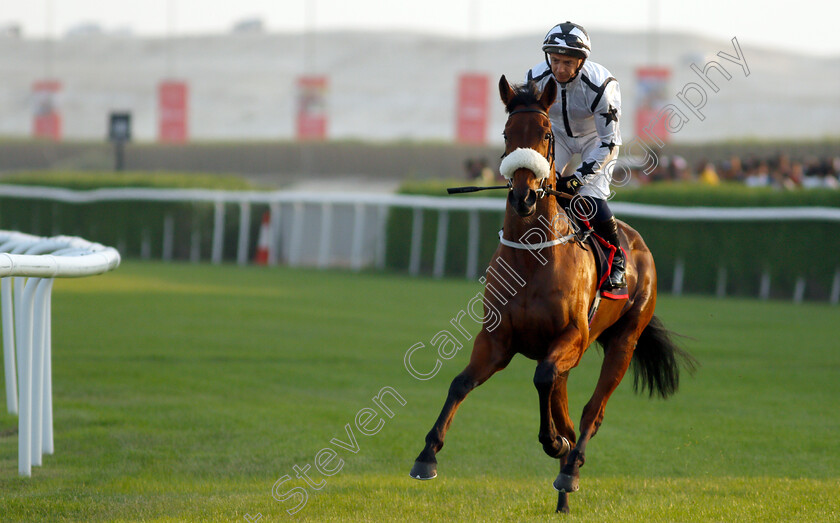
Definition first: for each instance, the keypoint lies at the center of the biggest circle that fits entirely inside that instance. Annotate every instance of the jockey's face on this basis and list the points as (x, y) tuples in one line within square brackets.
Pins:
[(563, 66)]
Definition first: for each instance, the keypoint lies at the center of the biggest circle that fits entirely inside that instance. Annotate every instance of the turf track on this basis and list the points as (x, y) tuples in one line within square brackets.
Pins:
[(185, 392)]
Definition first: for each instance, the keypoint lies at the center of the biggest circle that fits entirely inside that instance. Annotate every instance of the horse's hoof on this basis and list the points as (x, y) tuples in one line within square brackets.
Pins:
[(423, 471), (567, 483)]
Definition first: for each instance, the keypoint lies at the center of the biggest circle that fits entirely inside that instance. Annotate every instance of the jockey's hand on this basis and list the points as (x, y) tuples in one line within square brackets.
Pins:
[(569, 184)]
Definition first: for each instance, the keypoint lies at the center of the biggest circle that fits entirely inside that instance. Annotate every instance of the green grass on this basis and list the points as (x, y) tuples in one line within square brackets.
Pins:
[(185, 392), (88, 180)]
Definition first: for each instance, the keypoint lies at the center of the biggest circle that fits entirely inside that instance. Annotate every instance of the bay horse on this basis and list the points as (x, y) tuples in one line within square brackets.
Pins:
[(547, 320)]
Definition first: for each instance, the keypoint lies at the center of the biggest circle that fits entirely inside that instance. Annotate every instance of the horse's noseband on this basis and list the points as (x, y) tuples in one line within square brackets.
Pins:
[(549, 157)]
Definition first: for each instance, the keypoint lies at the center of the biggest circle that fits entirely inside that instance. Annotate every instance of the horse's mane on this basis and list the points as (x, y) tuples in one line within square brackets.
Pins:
[(523, 95)]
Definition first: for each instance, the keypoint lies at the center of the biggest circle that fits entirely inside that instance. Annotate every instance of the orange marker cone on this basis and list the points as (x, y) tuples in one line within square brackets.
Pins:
[(262, 241)]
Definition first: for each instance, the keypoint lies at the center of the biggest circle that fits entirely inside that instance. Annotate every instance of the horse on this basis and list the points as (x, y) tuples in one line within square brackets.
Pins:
[(547, 320)]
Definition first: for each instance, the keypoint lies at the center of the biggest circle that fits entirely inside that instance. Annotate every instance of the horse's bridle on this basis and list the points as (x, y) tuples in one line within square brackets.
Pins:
[(549, 157)]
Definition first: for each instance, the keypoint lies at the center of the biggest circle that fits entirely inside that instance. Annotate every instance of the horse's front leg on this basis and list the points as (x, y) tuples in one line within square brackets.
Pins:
[(617, 356), (488, 357), (547, 380), (556, 429), (563, 424), (557, 432)]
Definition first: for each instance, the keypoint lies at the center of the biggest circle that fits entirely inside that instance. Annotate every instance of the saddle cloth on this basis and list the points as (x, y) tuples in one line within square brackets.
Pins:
[(604, 253)]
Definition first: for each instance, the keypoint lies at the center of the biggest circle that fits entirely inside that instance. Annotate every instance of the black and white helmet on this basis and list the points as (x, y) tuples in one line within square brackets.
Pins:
[(568, 38)]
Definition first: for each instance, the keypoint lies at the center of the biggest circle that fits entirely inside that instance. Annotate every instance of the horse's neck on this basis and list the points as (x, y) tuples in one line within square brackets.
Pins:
[(546, 224)]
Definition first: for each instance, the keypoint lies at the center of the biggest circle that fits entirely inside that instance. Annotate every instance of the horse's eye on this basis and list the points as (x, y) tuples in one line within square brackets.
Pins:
[(548, 136)]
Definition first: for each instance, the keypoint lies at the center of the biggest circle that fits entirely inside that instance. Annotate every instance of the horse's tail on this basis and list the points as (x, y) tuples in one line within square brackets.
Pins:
[(657, 360)]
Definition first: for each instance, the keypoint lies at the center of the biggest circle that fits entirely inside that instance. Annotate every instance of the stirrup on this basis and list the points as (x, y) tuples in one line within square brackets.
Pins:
[(582, 234), (618, 267), (622, 280)]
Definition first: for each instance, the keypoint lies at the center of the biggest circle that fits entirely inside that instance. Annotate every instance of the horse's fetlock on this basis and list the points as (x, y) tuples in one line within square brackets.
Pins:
[(461, 386), (576, 458), (434, 440), (545, 374)]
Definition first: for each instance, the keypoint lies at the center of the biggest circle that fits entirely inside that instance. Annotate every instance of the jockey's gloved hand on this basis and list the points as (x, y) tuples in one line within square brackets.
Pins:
[(569, 184)]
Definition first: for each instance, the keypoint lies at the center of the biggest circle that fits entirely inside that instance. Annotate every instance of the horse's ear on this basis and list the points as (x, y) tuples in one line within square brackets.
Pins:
[(548, 95), (505, 91)]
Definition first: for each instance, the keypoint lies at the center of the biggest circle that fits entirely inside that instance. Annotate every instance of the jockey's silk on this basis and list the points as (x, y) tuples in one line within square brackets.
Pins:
[(585, 120)]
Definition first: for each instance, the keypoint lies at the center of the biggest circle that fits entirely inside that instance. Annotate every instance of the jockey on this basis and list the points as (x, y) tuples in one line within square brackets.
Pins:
[(584, 121)]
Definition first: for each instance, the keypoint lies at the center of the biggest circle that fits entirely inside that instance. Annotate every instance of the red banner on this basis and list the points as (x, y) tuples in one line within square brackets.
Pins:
[(312, 108), (173, 114), (47, 119), (652, 96), (472, 108)]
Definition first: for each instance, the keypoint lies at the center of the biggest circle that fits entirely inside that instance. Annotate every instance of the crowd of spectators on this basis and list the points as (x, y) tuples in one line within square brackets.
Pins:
[(780, 171)]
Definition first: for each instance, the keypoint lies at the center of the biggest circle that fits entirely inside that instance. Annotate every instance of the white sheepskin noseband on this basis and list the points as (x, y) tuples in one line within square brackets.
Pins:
[(525, 159)]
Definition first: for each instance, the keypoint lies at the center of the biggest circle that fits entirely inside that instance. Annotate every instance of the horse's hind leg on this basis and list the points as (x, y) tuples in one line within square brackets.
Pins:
[(487, 358), (563, 502)]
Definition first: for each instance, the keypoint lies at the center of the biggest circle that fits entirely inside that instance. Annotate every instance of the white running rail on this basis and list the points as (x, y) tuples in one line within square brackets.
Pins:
[(28, 265), (303, 226), (368, 216)]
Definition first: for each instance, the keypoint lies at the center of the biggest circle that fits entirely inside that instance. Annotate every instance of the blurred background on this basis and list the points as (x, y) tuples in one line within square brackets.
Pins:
[(373, 97), (273, 175), (189, 71)]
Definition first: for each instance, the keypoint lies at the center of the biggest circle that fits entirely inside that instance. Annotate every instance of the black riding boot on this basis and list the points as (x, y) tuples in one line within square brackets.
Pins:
[(608, 230)]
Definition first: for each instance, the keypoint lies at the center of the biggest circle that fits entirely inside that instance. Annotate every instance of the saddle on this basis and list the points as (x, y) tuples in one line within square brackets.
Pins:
[(604, 253)]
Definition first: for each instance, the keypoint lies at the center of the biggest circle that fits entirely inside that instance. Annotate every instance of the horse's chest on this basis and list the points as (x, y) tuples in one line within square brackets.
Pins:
[(535, 321)]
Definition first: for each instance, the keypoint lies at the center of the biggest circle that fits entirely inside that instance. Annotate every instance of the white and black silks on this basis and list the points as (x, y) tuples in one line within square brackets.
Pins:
[(585, 120)]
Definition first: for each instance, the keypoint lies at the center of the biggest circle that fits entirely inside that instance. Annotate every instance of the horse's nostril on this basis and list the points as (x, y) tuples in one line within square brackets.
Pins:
[(532, 198), (523, 202)]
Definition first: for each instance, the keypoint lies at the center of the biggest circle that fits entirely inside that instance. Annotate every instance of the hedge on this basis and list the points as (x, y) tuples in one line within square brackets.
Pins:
[(786, 250), (87, 180), (128, 225)]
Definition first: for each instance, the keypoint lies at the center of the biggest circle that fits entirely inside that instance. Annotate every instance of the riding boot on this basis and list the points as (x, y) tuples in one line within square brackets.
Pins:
[(608, 230)]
